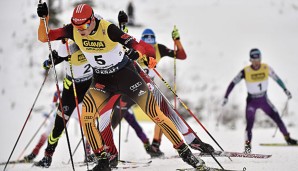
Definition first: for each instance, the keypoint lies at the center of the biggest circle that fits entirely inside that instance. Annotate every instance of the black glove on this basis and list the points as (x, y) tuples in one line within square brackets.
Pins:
[(47, 63), (288, 93), (54, 55), (132, 54), (225, 101), (122, 17), (42, 10)]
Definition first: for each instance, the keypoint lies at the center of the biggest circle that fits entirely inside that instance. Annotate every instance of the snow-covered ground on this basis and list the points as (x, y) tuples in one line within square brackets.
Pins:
[(217, 36)]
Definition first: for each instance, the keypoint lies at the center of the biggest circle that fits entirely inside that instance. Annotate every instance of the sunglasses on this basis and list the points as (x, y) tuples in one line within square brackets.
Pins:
[(83, 26), (148, 36)]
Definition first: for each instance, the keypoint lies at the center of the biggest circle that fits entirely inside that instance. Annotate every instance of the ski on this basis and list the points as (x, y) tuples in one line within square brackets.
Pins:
[(234, 154), (122, 162), (132, 165), (208, 169), (16, 162), (227, 154), (134, 162), (80, 163), (278, 144)]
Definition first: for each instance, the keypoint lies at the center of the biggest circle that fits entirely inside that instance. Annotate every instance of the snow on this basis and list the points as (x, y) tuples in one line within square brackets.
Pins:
[(217, 36)]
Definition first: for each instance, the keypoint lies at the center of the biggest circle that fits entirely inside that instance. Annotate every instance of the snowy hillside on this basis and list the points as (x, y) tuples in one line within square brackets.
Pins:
[(217, 36)]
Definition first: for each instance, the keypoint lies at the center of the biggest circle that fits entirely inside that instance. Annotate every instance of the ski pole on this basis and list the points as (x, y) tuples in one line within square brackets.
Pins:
[(176, 111), (175, 88), (120, 112), (219, 118), (42, 124), (57, 87), (45, 78), (184, 105), (284, 111), (76, 99), (75, 150), (127, 132)]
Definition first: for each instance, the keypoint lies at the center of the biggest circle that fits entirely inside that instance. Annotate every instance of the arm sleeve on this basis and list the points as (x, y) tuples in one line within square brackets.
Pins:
[(235, 81), (117, 35), (180, 53), (165, 51), (55, 34), (275, 77), (59, 59)]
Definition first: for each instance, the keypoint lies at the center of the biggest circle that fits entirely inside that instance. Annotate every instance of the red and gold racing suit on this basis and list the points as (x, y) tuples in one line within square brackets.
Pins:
[(114, 73)]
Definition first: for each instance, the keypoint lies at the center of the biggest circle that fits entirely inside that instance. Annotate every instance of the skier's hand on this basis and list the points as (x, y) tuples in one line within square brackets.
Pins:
[(175, 34), (42, 10), (133, 54), (122, 17), (225, 101), (54, 55), (288, 93), (150, 62), (47, 64), (67, 83)]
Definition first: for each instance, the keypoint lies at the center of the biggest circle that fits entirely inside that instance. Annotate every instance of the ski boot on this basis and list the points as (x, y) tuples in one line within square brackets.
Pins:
[(153, 150), (90, 158), (189, 158), (44, 162), (290, 141), (247, 147), (29, 158), (197, 144), (102, 162), (113, 159)]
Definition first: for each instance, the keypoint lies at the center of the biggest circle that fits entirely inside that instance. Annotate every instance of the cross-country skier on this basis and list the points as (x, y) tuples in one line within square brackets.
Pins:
[(114, 73), (83, 72), (256, 77), (44, 136), (126, 104), (161, 51)]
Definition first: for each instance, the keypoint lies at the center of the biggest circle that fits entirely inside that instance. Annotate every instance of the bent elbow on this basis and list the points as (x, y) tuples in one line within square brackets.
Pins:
[(42, 39)]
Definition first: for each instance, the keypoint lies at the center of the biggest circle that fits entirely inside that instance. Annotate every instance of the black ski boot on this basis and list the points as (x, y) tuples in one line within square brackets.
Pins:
[(113, 159), (102, 162), (247, 147), (153, 150), (197, 144), (45, 162), (289, 140), (189, 158), (90, 158), (30, 157)]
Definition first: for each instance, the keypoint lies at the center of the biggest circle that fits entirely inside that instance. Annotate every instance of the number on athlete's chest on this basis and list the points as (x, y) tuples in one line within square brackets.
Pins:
[(99, 60)]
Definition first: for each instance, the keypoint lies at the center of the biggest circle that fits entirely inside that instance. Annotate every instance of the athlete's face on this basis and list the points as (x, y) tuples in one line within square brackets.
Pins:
[(86, 29), (256, 63)]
